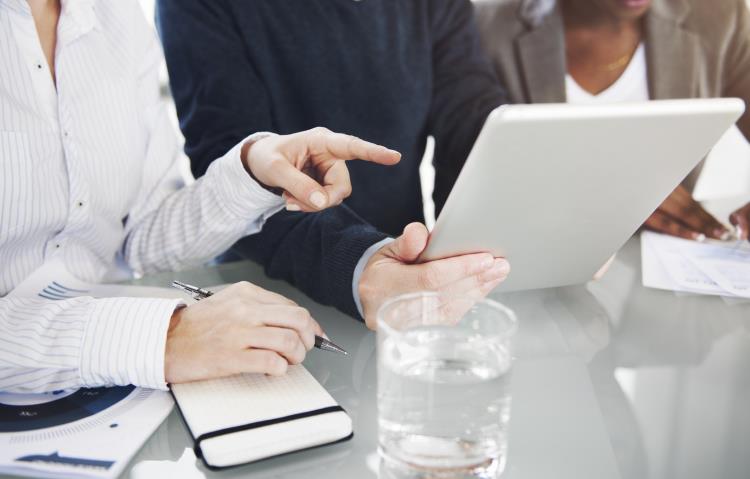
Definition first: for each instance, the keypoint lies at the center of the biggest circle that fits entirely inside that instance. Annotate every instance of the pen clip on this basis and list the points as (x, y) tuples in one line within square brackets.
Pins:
[(195, 292)]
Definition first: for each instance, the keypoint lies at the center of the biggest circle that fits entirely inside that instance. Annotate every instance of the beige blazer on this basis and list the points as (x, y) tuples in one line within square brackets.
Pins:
[(694, 49)]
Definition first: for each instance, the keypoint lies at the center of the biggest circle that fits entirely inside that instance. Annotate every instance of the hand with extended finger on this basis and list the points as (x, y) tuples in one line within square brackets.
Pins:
[(310, 166)]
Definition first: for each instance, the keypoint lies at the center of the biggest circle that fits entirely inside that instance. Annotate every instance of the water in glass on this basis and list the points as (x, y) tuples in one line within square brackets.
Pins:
[(444, 400)]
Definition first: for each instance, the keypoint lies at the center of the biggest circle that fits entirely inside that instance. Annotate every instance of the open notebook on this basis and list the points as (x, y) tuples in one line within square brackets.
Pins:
[(250, 417)]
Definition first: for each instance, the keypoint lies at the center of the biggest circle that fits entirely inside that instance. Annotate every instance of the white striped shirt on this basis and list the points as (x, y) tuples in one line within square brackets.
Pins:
[(89, 173)]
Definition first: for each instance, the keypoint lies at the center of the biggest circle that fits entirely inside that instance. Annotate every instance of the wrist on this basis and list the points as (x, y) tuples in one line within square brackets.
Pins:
[(169, 350), (369, 289), (361, 289), (175, 320), (247, 163)]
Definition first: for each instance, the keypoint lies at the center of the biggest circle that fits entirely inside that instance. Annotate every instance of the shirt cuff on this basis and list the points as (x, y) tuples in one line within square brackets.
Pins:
[(238, 191), (125, 341), (360, 268)]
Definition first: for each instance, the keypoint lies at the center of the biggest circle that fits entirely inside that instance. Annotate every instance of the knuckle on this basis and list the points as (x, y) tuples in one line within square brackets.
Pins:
[(285, 300), (315, 327), (244, 286), (346, 189), (351, 145), (693, 205), (272, 362), (289, 341), (310, 324), (267, 360), (296, 315), (279, 365), (297, 356), (302, 315), (320, 131)]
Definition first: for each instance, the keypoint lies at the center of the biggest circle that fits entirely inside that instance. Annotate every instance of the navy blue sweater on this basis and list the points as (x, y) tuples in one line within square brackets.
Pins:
[(389, 71)]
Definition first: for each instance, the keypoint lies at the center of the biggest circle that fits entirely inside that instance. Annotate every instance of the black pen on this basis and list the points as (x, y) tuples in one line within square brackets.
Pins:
[(200, 293)]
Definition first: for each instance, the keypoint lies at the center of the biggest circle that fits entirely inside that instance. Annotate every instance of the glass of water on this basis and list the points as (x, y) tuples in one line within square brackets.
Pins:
[(444, 366)]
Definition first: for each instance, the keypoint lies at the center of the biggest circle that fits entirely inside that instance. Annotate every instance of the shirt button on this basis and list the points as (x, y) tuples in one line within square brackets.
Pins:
[(57, 245), (39, 66), (80, 204)]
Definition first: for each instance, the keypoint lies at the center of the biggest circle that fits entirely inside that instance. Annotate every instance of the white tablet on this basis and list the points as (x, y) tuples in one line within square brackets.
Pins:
[(557, 188)]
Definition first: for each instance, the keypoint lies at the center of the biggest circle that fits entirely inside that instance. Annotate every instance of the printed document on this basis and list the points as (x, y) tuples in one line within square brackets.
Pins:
[(711, 267)]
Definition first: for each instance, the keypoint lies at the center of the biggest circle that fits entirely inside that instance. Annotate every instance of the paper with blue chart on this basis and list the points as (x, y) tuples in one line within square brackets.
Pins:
[(87, 433), (710, 268)]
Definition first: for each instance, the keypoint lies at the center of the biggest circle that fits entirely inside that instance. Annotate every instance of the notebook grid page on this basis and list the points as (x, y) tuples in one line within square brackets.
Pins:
[(247, 398)]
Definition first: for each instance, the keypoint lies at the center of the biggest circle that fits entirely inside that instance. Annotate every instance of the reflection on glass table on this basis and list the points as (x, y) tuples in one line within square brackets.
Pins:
[(612, 380), (673, 384)]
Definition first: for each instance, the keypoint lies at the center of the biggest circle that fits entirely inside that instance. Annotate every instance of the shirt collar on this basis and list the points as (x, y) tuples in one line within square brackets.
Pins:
[(77, 16), (18, 6)]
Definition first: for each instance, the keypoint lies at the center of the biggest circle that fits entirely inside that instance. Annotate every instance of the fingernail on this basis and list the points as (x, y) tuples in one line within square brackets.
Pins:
[(699, 237), (722, 234), (293, 207), (499, 270), (318, 199), (503, 265), (487, 262)]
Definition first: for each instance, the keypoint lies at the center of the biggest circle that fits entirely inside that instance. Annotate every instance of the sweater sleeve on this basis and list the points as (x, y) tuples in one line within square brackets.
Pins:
[(219, 97), (318, 253)]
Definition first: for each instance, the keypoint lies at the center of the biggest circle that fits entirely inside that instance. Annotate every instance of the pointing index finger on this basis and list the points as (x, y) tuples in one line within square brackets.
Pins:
[(347, 147)]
